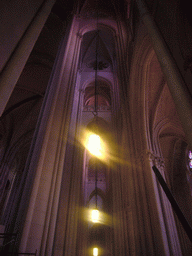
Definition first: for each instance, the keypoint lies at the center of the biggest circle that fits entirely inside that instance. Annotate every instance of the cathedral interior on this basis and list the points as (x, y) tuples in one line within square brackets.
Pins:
[(120, 73)]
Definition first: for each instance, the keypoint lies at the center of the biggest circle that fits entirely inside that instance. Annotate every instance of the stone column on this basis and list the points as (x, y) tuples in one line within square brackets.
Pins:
[(167, 220), (47, 155), (17, 61)]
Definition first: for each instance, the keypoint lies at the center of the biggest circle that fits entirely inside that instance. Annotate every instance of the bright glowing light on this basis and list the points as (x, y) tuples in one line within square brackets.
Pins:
[(94, 145), (95, 251), (95, 216)]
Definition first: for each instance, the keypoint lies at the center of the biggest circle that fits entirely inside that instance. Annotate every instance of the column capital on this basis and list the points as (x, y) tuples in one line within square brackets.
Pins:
[(156, 160), (79, 35)]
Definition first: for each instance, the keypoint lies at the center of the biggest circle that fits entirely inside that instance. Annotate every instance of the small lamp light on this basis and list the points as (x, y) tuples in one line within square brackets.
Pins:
[(95, 251), (94, 145), (95, 216)]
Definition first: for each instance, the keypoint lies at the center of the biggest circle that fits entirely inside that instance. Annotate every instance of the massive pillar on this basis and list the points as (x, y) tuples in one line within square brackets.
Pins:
[(47, 155), (155, 219)]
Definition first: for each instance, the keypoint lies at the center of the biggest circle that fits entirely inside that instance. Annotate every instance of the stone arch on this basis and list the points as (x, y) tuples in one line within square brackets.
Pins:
[(99, 192), (101, 197), (102, 24), (104, 89)]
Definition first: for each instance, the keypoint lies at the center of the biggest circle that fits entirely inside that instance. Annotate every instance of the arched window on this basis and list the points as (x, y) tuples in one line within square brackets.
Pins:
[(190, 159), (189, 169)]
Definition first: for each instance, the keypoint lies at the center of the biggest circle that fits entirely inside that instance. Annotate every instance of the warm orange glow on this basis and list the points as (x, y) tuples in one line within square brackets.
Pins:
[(94, 145), (95, 216), (95, 251)]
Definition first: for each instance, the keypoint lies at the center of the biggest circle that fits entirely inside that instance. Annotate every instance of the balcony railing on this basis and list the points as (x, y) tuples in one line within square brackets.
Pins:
[(91, 108)]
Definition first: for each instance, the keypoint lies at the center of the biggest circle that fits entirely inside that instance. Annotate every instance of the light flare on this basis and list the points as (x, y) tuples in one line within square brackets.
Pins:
[(94, 145)]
